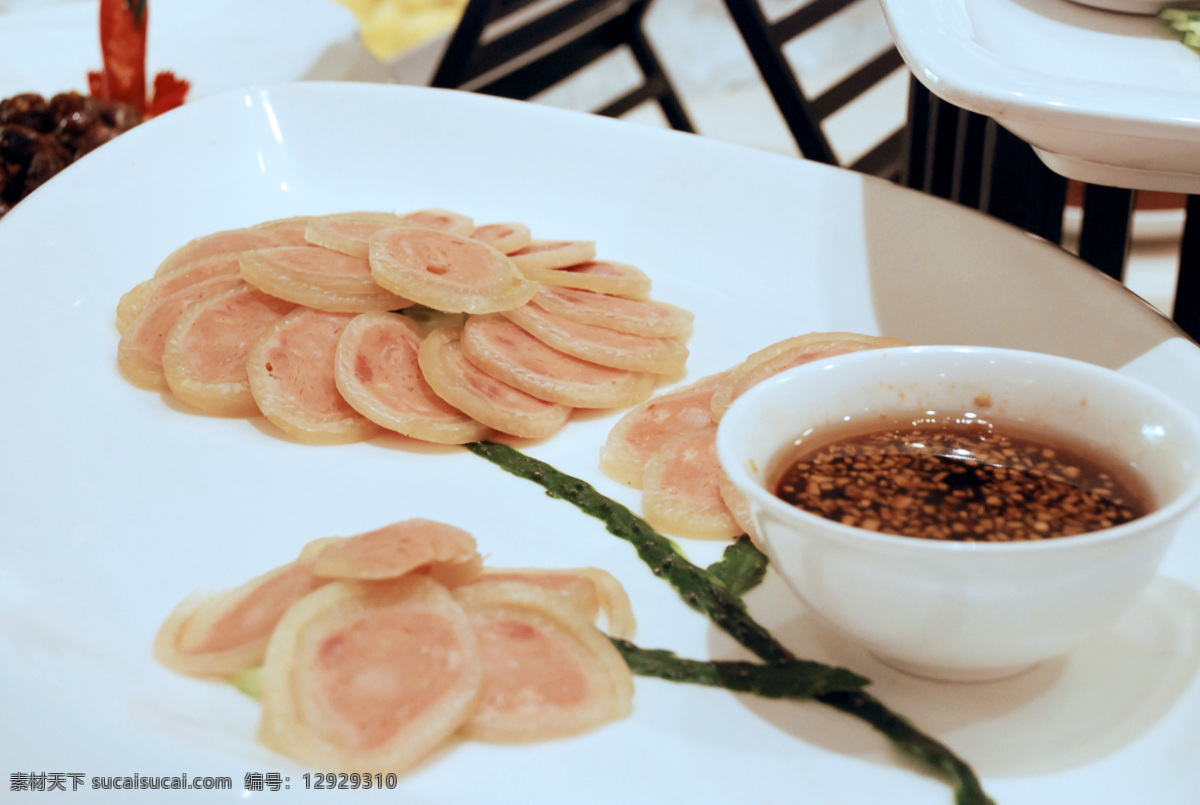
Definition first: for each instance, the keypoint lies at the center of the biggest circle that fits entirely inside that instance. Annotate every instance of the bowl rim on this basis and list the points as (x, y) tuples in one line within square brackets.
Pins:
[(823, 528)]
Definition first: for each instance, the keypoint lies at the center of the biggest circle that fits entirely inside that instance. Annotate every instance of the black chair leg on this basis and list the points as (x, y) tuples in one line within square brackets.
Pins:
[(932, 143), (1186, 311), (916, 133), (1022, 190), (777, 74), (651, 67), (973, 140), (1104, 239)]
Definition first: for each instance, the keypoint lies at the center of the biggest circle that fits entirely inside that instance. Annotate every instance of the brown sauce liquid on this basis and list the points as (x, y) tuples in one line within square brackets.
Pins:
[(958, 478)]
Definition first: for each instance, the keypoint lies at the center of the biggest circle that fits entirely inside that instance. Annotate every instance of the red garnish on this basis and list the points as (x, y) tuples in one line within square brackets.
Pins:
[(169, 92), (123, 45)]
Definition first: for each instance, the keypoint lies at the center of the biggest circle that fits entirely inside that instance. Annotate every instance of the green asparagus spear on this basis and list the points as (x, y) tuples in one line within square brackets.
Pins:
[(705, 591), (793, 680), (699, 588), (742, 567)]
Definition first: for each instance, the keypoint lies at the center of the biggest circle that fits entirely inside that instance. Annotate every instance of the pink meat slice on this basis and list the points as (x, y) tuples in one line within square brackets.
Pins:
[(222, 634), (152, 290), (321, 267), (505, 351), (301, 358), (554, 254), (783, 355), (601, 276), (288, 231), (369, 676), (224, 242), (602, 345), (410, 645), (291, 371), (140, 350), (547, 671), (441, 220), (220, 337), (525, 667), (458, 261), (394, 550), (637, 316), (252, 618), (484, 398), (507, 237), (378, 373), (348, 232), (681, 491), (205, 357), (642, 431)]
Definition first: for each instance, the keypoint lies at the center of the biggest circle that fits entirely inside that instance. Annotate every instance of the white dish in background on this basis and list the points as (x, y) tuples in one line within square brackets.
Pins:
[(1103, 97), (117, 503)]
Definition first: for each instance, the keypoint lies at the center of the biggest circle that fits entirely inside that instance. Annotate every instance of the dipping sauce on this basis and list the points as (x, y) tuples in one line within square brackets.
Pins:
[(958, 478)]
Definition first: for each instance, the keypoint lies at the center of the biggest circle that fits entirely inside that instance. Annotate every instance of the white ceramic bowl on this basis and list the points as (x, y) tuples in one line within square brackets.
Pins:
[(965, 611)]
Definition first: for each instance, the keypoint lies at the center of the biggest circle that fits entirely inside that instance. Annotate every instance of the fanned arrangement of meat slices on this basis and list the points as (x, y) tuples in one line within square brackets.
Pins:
[(373, 650), (340, 327), (666, 446)]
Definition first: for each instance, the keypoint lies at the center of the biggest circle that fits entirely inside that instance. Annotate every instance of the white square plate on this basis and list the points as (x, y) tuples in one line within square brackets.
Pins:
[(116, 502)]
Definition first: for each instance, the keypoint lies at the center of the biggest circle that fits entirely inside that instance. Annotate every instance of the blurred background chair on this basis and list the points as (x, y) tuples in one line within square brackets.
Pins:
[(941, 150), (969, 158), (955, 154), (520, 48), (804, 111)]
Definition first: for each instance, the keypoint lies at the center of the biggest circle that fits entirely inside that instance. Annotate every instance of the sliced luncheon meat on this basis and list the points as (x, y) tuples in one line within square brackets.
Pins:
[(442, 220), (554, 254), (508, 353), (317, 298), (507, 237), (314, 265), (318, 278), (347, 232), (637, 316), (607, 347), (147, 293), (222, 634), (225, 242), (447, 272), (590, 591), (395, 550), (291, 373), (288, 231), (140, 350), (481, 396), (369, 652), (204, 357), (378, 374), (642, 431), (681, 491), (784, 355), (369, 676), (548, 672), (600, 276)]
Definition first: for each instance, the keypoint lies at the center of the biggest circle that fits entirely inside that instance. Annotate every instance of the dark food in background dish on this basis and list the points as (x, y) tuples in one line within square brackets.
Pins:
[(40, 137)]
